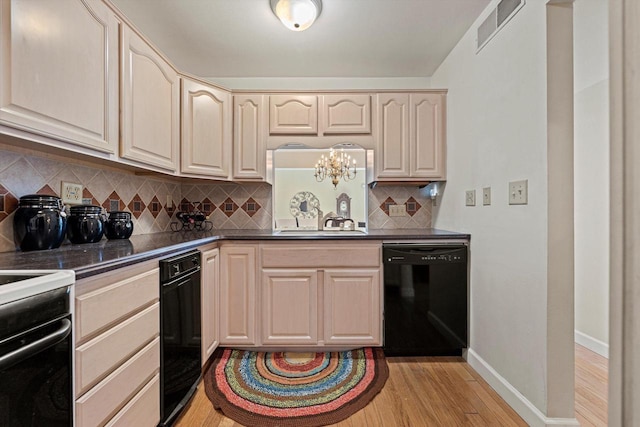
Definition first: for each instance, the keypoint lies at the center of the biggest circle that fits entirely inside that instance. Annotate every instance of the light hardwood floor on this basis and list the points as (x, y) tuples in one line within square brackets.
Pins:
[(426, 391)]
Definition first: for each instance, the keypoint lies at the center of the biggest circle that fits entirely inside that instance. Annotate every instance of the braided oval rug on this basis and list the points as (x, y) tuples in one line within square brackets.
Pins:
[(294, 389)]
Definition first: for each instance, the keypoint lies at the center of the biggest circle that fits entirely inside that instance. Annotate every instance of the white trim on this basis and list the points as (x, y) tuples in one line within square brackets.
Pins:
[(595, 345), (527, 410)]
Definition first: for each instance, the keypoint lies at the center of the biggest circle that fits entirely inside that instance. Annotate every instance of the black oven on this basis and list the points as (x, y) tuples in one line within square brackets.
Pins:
[(180, 350), (35, 360), (425, 299)]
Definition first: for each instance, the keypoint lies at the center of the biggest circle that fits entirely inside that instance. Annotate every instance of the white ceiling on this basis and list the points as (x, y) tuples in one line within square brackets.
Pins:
[(351, 38)]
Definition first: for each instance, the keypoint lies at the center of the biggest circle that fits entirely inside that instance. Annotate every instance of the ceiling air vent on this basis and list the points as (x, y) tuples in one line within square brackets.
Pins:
[(497, 18)]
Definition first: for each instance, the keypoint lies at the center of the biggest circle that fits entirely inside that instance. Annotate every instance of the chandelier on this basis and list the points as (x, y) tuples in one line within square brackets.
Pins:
[(336, 166)]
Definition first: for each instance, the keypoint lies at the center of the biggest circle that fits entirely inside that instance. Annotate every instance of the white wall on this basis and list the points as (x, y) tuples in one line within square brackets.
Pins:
[(497, 132), (591, 55)]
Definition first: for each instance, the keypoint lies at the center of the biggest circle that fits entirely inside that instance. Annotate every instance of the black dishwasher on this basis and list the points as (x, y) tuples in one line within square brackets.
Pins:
[(425, 299), (180, 353)]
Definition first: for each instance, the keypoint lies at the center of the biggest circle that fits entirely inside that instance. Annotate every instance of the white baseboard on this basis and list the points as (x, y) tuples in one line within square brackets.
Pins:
[(595, 345), (527, 410)]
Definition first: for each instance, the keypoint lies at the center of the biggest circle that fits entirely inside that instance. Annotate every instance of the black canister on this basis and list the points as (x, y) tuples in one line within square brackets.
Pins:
[(39, 223), (119, 225), (86, 224)]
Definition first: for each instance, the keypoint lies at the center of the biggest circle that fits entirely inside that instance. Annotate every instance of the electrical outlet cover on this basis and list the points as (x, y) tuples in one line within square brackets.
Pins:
[(486, 196), (397, 210), (470, 198), (71, 193), (518, 193)]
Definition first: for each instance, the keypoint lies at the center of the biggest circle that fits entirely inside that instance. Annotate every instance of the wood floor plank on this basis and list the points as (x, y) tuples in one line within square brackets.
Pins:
[(426, 391)]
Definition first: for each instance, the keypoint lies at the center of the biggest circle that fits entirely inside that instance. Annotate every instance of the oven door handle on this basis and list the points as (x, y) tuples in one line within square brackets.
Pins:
[(34, 347)]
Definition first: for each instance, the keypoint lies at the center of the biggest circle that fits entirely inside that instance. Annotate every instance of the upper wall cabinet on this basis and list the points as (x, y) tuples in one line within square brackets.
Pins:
[(293, 114), (410, 136), (345, 114), (249, 148), (150, 105), (59, 70), (206, 130), (320, 120)]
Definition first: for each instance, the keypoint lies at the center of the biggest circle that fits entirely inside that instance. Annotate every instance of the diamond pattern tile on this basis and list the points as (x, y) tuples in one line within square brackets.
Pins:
[(251, 207), (207, 207), (412, 206), (8, 203), (228, 207), (136, 207), (86, 194), (47, 191), (113, 203), (155, 207), (385, 205)]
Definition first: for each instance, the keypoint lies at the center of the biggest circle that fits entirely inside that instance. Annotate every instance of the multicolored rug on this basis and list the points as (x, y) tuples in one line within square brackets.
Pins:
[(294, 389)]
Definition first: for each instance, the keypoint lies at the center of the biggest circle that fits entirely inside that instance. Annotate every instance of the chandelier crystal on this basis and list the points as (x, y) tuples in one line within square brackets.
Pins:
[(335, 166)]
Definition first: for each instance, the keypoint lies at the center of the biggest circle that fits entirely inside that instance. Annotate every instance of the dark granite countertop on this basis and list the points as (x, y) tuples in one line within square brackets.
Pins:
[(94, 258)]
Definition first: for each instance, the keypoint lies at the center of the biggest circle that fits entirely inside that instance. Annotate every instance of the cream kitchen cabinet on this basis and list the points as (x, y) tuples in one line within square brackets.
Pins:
[(352, 304), (206, 130), (59, 70), (293, 114), (238, 294), (411, 136), (210, 277), (344, 114), (150, 94), (318, 295), (250, 118), (117, 347), (289, 306), (320, 114)]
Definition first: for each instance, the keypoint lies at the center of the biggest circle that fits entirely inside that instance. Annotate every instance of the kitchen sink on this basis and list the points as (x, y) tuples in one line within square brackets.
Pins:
[(319, 233)]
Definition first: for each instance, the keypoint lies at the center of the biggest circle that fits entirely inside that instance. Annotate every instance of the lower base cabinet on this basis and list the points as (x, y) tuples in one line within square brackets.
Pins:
[(289, 307), (210, 293), (305, 296), (352, 307), (117, 348)]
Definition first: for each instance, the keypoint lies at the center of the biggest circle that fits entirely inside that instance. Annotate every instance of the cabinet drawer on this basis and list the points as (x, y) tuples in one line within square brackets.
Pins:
[(100, 356), (98, 309), (111, 394), (326, 255), (143, 410)]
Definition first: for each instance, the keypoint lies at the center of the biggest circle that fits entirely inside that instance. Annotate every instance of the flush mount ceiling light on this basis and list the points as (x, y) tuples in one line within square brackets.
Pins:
[(297, 15)]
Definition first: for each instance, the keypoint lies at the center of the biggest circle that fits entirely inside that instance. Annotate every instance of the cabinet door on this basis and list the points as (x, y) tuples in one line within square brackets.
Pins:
[(392, 154), (59, 70), (210, 285), (427, 135), (249, 148), (237, 295), (150, 105), (352, 307), (293, 114), (289, 307), (346, 114), (206, 130)]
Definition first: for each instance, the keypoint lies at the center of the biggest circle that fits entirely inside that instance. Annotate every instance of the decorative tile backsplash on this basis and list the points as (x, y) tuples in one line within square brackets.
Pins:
[(227, 205), (416, 201)]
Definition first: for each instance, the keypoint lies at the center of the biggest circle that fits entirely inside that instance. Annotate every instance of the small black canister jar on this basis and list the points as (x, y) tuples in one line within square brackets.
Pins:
[(39, 223), (86, 224), (119, 225)]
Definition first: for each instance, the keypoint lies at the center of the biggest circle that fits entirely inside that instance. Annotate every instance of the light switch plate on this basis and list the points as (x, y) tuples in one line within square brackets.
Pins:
[(486, 196), (71, 193), (169, 201), (397, 210), (518, 193), (470, 198)]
